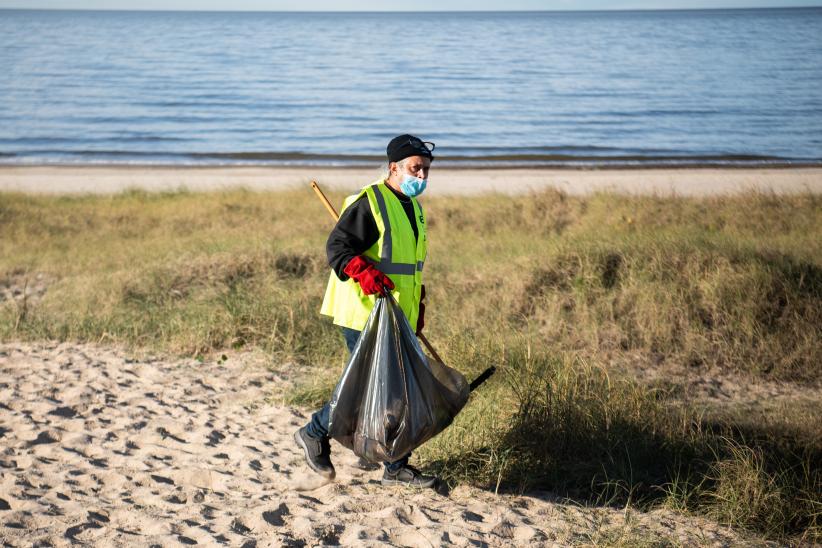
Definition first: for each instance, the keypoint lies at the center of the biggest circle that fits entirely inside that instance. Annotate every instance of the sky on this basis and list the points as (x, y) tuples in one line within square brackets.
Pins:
[(394, 5)]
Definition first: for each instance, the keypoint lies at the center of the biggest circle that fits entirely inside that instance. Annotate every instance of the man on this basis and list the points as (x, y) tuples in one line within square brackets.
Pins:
[(379, 242)]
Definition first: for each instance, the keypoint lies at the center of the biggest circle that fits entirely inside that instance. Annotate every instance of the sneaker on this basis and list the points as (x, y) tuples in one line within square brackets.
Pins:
[(317, 453), (408, 475)]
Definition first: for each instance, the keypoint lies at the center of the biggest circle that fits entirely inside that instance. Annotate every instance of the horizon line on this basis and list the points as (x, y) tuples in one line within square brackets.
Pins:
[(612, 10)]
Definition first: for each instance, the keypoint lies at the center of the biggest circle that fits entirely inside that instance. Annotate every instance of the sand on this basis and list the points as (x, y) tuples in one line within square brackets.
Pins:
[(664, 182), (105, 448)]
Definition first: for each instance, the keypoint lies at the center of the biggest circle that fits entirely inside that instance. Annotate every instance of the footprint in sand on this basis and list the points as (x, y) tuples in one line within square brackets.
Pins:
[(239, 527), (162, 479), (45, 437), (275, 517), (215, 437), (468, 515), (66, 412)]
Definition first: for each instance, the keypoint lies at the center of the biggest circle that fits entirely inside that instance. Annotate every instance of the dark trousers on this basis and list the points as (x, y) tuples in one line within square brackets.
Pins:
[(318, 427)]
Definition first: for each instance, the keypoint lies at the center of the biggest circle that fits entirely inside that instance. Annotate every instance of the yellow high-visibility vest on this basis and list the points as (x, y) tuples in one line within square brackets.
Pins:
[(395, 253)]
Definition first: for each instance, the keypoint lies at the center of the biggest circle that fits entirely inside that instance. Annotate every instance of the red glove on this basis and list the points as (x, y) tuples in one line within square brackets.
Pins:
[(421, 316), (366, 274)]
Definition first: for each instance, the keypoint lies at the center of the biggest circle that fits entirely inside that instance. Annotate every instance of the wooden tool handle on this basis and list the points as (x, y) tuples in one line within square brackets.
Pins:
[(324, 200), (430, 348)]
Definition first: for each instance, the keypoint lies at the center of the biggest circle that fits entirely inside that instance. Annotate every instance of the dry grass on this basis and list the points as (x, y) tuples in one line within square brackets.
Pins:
[(556, 291)]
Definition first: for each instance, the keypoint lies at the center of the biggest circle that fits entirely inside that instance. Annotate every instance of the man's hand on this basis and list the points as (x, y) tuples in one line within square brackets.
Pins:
[(366, 274), (421, 315)]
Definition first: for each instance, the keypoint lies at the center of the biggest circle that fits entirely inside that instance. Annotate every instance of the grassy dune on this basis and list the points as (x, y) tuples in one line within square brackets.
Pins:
[(569, 296)]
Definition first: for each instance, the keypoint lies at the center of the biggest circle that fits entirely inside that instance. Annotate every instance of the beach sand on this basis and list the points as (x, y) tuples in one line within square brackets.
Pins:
[(663, 182), (110, 449)]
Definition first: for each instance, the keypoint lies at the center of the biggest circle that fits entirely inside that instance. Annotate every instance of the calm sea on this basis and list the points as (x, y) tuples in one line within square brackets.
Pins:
[(569, 88)]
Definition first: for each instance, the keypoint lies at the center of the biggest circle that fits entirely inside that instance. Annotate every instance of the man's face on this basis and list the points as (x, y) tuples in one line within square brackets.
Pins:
[(417, 166)]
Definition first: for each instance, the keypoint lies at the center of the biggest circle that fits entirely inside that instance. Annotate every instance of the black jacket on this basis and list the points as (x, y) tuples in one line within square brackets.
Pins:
[(356, 231)]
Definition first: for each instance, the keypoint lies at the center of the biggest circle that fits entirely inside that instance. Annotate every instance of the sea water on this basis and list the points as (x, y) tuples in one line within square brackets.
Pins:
[(492, 88)]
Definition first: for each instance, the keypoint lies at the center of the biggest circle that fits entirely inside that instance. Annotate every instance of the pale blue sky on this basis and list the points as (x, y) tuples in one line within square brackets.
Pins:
[(416, 5)]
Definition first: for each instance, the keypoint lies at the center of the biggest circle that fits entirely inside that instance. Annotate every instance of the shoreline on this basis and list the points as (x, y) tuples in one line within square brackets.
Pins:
[(667, 181), (441, 165)]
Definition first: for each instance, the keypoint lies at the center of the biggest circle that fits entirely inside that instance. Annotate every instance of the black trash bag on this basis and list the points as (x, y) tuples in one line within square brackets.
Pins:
[(391, 398)]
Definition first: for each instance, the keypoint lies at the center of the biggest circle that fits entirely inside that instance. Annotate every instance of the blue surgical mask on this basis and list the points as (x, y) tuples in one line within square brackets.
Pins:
[(412, 186)]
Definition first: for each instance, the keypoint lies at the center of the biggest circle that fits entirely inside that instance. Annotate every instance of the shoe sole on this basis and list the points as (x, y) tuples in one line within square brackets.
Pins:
[(325, 473)]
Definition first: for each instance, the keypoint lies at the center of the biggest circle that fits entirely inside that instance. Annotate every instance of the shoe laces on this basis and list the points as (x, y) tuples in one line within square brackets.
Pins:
[(412, 470)]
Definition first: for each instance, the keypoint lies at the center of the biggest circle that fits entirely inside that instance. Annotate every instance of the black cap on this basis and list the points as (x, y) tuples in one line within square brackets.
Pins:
[(405, 145)]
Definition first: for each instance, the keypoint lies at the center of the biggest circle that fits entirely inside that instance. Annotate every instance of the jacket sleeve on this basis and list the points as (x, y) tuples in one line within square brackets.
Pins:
[(355, 232)]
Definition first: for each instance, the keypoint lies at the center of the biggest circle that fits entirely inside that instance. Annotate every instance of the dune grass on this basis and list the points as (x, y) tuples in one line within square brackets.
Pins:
[(563, 294)]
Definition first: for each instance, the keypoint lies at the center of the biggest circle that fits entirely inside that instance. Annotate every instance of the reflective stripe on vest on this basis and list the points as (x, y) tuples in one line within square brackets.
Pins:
[(385, 265)]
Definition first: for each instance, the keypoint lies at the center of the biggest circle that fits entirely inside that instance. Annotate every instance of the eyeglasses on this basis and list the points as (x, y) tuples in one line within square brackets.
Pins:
[(422, 145)]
